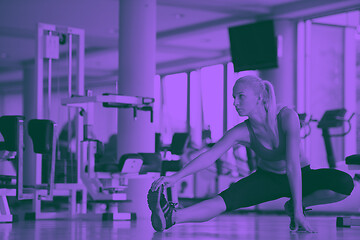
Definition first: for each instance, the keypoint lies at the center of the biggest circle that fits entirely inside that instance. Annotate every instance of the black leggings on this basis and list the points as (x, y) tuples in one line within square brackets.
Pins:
[(263, 186)]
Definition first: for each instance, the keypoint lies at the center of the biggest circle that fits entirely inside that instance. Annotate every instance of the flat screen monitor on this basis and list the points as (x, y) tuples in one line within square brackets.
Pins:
[(253, 46)]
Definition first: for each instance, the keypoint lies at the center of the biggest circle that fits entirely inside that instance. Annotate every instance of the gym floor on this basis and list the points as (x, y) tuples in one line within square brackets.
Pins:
[(228, 226)]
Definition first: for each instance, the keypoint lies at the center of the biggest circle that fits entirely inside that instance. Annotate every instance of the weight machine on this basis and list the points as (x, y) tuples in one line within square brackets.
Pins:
[(104, 187)]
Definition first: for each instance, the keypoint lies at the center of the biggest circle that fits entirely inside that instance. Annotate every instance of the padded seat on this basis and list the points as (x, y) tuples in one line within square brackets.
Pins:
[(9, 128), (353, 159), (41, 132)]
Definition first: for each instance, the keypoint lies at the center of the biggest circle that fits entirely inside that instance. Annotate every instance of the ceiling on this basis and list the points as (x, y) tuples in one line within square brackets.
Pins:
[(190, 33)]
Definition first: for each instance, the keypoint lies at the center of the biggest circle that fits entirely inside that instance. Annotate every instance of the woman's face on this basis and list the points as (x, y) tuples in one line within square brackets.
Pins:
[(245, 100)]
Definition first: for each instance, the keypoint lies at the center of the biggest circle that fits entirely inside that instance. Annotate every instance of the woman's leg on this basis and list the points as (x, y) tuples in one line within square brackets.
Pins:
[(257, 188), (322, 197), (200, 212), (251, 190), (323, 186)]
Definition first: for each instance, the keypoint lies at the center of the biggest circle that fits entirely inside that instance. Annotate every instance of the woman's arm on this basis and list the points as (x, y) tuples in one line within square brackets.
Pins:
[(237, 133), (293, 169), (209, 157), (292, 128)]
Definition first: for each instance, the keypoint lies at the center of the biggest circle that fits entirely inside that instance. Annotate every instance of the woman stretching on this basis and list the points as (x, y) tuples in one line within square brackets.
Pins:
[(281, 172)]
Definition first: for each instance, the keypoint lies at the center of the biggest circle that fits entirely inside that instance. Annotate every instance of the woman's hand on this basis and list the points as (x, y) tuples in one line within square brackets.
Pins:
[(301, 224), (166, 181)]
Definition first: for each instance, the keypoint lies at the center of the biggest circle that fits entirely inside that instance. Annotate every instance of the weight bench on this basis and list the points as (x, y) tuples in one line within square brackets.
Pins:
[(353, 161), (11, 128)]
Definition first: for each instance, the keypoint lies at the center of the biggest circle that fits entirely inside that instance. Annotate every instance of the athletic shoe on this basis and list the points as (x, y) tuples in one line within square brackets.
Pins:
[(289, 210), (161, 210)]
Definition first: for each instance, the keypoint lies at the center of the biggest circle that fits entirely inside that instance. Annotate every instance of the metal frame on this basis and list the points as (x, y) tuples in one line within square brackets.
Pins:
[(94, 182), (5, 214), (59, 189)]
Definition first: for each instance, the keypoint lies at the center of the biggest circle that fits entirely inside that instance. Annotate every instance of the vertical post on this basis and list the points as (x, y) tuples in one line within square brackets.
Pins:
[(70, 125), (225, 111), (80, 90), (137, 42), (33, 108), (49, 86), (350, 85), (188, 104)]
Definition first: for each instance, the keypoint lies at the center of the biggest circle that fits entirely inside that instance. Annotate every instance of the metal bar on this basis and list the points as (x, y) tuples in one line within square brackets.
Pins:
[(70, 67), (52, 171), (20, 159), (69, 111), (49, 84), (225, 112), (188, 128)]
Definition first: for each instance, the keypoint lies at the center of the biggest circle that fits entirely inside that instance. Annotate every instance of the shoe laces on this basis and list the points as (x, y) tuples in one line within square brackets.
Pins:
[(173, 205)]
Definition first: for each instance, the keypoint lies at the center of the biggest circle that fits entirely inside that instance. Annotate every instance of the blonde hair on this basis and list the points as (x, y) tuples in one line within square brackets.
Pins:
[(264, 89)]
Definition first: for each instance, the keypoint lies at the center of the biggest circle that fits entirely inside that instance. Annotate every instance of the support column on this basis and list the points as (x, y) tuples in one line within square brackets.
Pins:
[(137, 41), (33, 108), (284, 77)]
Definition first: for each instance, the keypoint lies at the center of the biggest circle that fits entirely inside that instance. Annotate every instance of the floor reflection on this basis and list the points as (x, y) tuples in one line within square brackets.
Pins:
[(249, 227)]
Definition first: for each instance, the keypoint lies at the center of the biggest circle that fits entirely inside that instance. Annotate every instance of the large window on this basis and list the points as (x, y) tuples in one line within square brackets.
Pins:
[(195, 109), (212, 92), (174, 106), (157, 103)]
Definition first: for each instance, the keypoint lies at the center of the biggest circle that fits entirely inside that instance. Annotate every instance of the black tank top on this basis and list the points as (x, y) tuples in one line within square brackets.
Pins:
[(273, 160)]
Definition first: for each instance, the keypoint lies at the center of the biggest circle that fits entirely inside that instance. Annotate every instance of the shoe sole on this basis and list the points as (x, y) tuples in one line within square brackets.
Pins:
[(157, 216)]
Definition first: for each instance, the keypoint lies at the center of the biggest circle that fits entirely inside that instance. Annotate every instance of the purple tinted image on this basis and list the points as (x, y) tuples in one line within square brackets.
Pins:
[(182, 112)]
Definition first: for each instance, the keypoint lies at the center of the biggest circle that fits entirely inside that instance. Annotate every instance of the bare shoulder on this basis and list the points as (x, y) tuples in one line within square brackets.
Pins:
[(239, 133), (290, 119)]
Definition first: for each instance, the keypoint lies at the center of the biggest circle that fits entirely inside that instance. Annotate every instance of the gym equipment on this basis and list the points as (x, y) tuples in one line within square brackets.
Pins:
[(305, 124), (48, 51), (353, 161), (332, 119), (42, 133), (43, 139), (105, 187), (179, 141), (29, 183), (11, 128)]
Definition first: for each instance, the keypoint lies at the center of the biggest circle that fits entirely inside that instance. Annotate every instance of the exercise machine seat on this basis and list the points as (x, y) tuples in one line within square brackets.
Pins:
[(151, 162), (124, 157), (41, 132), (353, 159), (9, 128), (178, 143)]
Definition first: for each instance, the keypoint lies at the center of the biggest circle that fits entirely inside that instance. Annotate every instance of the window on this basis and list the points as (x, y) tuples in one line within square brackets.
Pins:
[(174, 106), (212, 92)]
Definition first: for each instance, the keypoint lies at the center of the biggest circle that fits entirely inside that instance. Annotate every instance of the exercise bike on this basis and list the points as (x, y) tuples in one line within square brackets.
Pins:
[(334, 118)]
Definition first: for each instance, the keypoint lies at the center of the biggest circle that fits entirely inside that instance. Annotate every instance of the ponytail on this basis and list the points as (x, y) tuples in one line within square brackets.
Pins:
[(269, 101)]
